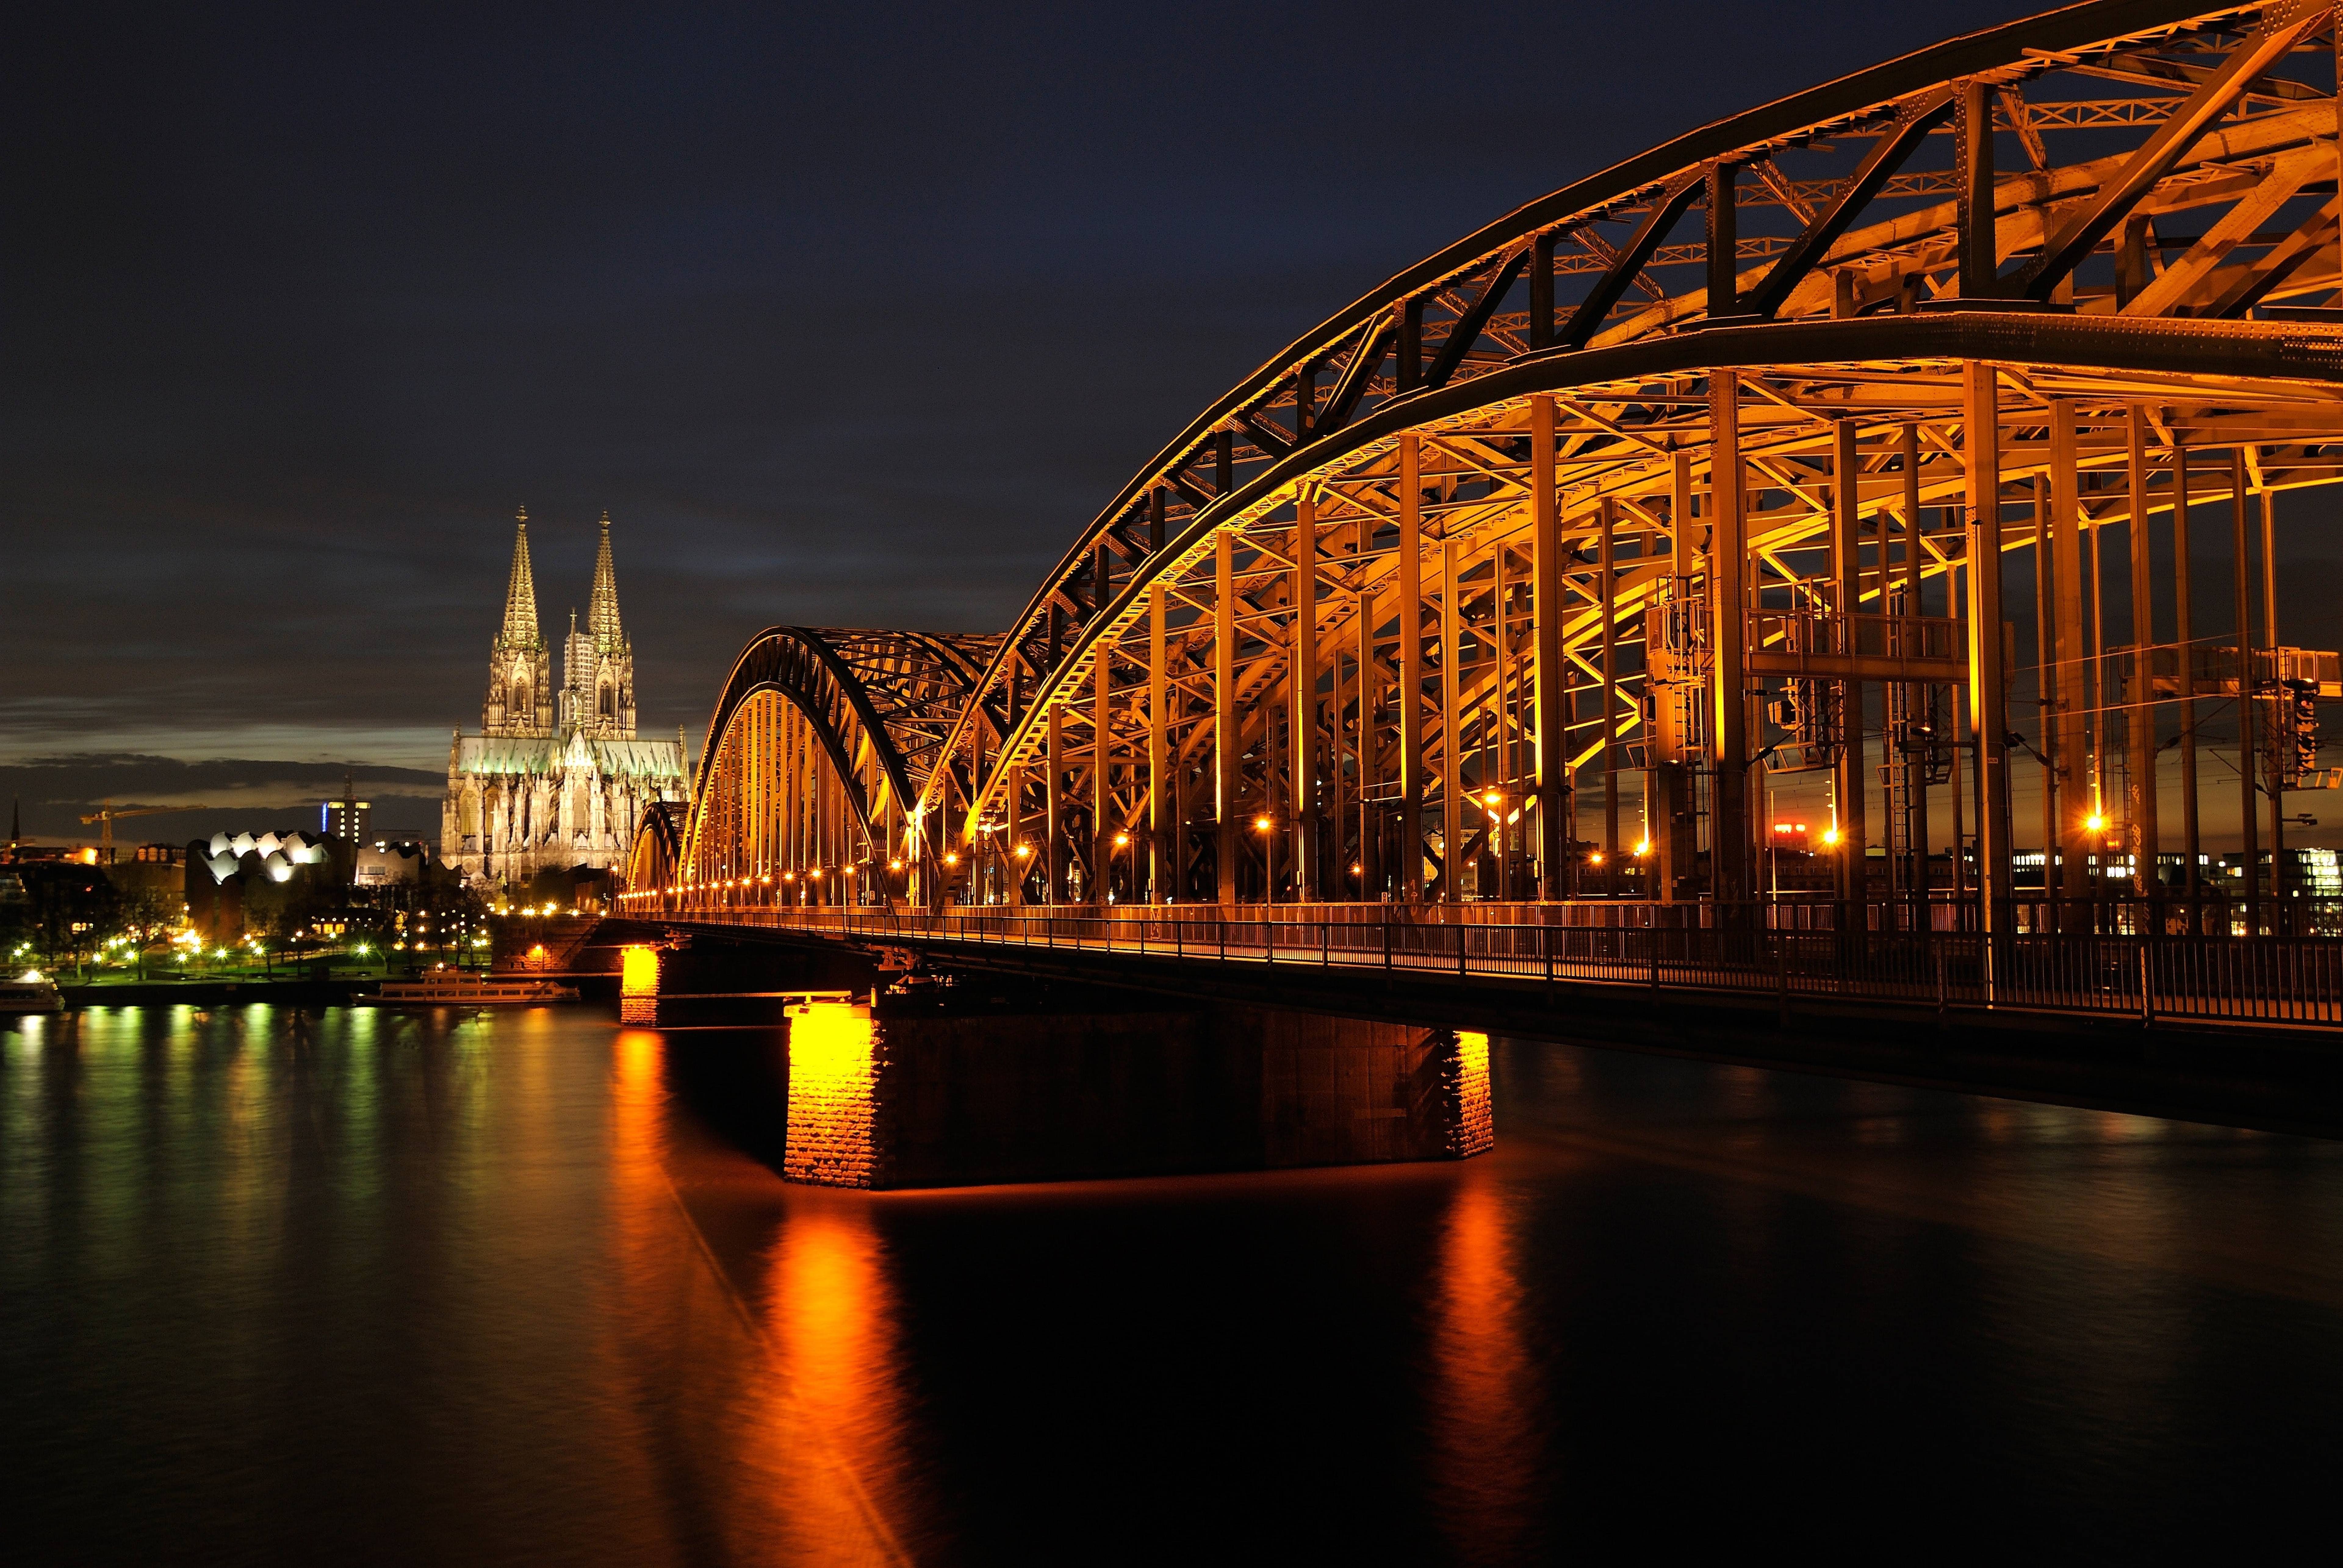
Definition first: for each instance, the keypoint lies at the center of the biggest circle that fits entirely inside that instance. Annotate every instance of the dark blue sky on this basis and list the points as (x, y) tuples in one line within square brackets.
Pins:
[(848, 316)]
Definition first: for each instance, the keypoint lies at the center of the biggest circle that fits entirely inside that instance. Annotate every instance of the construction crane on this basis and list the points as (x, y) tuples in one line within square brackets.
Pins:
[(105, 816)]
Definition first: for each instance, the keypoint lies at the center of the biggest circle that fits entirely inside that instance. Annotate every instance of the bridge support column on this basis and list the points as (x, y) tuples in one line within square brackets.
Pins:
[(1451, 728), (1671, 809), (1301, 688), (1729, 844), (1101, 858), (2191, 840), (835, 1136), (2139, 716), (1053, 824), (1227, 736), (638, 984), (1549, 719), (1989, 696), (2248, 807), (2075, 763), (1847, 555), (928, 1101), (1368, 760), (1608, 577), (1017, 854), (1409, 575), (1920, 700), (1162, 797)]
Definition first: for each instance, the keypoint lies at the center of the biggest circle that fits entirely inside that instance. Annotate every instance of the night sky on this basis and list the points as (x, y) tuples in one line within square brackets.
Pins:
[(850, 317)]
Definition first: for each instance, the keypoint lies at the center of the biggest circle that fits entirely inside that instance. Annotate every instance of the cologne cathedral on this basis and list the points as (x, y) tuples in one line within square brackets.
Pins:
[(556, 778)]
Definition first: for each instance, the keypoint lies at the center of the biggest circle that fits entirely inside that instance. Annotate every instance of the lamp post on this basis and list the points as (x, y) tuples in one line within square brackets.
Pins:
[(1494, 802), (1267, 830)]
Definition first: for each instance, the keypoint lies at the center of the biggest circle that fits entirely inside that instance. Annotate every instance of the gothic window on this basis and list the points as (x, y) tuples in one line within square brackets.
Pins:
[(608, 706), (519, 706)]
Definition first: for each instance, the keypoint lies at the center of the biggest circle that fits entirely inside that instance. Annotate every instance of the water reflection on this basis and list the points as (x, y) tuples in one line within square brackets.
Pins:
[(1485, 1414), (761, 1306), (834, 1372), (527, 1287)]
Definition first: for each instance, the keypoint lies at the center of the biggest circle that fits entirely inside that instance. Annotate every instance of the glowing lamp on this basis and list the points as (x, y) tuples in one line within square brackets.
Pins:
[(1121, 840), (1594, 858), (1024, 851), (1830, 836), (951, 860), (1644, 848), (1260, 824), (2095, 823)]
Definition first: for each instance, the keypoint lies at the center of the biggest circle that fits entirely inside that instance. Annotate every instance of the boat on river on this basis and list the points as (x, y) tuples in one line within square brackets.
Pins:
[(453, 989), (31, 992)]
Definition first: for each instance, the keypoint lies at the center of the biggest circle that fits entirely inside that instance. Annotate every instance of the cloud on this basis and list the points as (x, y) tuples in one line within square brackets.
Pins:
[(55, 791)]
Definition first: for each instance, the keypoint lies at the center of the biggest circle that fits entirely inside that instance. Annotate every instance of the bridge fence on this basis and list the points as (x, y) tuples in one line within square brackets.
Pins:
[(2291, 981)]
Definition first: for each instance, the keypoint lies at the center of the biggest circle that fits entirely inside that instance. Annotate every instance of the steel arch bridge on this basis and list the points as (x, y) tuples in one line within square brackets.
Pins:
[(1517, 576)]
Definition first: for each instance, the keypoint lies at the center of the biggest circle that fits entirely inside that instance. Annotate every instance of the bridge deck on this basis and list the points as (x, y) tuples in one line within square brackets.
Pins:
[(2287, 982)]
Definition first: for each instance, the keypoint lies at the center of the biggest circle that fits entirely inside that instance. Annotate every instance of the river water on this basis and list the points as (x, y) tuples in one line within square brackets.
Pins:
[(367, 1287)]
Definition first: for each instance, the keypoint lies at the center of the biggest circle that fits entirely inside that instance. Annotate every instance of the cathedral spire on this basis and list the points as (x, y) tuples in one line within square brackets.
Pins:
[(520, 598), (602, 610)]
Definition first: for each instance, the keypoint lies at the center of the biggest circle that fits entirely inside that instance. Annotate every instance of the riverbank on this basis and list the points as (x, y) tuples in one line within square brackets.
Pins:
[(292, 992)]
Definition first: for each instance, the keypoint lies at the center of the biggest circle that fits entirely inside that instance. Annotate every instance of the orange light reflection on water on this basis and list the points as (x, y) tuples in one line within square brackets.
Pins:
[(1486, 1434), (765, 1354), (831, 1318)]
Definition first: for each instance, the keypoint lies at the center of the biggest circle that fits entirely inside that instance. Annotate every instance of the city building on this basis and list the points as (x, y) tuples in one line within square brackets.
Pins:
[(228, 871), (385, 865), (556, 778), (348, 819), (159, 870)]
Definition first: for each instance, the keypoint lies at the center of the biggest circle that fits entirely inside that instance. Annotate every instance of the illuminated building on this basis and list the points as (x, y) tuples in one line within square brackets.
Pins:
[(556, 778)]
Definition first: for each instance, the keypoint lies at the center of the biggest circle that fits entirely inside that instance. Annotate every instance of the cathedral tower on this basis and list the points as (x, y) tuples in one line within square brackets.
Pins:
[(598, 664), (520, 667)]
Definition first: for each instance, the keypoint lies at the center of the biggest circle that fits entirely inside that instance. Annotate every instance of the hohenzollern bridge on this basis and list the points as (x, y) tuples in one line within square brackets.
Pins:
[(1856, 450)]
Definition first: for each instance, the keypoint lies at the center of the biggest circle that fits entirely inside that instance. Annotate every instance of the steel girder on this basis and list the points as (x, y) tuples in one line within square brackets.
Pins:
[(1424, 347), (2092, 203), (878, 705)]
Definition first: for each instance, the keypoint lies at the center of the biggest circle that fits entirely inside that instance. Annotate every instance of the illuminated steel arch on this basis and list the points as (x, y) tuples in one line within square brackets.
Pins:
[(656, 857), (1391, 616), (819, 743)]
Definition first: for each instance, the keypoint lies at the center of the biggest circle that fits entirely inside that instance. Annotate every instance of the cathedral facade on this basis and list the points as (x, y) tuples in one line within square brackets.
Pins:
[(556, 778)]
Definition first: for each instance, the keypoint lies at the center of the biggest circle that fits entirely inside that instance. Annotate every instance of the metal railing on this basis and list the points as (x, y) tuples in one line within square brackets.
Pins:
[(2293, 981)]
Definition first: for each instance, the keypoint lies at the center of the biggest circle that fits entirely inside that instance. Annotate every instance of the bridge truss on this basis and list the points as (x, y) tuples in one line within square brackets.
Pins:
[(1852, 433)]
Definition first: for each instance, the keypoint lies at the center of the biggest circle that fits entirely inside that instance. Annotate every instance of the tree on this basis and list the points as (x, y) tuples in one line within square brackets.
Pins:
[(68, 911), (148, 914)]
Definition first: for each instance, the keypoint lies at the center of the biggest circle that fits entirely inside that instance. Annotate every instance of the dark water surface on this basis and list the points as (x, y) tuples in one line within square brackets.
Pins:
[(373, 1288)]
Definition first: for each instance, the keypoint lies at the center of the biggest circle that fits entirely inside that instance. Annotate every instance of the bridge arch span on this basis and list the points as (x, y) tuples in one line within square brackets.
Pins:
[(1565, 545), (819, 745)]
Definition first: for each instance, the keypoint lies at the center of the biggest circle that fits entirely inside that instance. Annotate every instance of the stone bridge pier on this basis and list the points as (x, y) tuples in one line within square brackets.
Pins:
[(966, 1078)]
